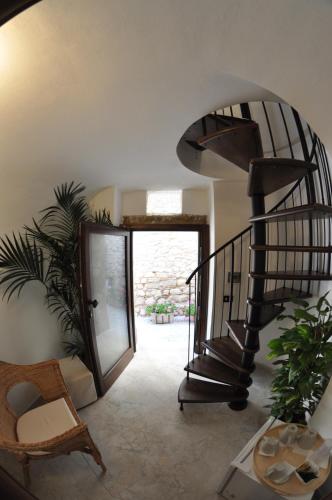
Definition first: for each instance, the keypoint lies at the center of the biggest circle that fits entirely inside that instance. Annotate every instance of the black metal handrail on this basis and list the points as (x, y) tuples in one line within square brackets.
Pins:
[(205, 261)]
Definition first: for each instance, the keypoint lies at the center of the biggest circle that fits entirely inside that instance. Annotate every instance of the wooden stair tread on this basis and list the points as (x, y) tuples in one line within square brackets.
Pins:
[(281, 295), (267, 314), (200, 391), (230, 121), (291, 248), (227, 351), (293, 275), (303, 212), (208, 125), (267, 175), (205, 139), (208, 367), (238, 332), (238, 143)]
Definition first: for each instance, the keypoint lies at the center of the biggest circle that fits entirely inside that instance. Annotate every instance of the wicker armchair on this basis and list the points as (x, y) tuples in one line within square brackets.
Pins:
[(49, 430)]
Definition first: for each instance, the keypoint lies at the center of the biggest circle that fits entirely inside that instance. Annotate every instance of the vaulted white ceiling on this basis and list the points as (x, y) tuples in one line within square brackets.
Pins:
[(100, 91)]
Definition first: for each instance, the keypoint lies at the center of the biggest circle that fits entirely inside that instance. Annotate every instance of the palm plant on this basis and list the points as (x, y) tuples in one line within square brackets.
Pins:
[(48, 253)]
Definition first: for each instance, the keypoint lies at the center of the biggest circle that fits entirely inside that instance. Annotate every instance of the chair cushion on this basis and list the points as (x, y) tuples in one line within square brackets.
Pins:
[(45, 422)]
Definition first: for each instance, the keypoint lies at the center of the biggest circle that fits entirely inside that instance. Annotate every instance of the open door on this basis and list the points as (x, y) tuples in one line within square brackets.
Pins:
[(106, 301)]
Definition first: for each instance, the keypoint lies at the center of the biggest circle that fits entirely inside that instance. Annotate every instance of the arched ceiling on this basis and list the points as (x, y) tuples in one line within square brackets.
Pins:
[(100, 91)]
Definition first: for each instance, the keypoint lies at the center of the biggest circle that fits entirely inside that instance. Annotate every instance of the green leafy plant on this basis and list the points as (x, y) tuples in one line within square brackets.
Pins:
[(48, 253), (303, 353), (150, 309), (190, 310), (166, 308)]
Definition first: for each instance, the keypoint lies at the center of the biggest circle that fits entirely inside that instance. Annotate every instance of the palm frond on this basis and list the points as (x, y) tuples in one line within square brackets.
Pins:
[(63, 256), (74, 345), (21, 261), (102, 217), (64, 218), (63, 300), (45, 239)]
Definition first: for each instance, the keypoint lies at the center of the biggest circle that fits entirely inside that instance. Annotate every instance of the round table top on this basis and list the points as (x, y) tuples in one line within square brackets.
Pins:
[(294, 485)]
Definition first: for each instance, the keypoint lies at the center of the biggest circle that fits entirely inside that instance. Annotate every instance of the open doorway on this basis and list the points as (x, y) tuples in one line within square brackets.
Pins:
[(163, 259), (160, 257)]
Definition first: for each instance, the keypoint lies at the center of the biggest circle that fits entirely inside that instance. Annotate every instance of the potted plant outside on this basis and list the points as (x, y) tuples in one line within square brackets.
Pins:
[(303, 353), (161, 313)]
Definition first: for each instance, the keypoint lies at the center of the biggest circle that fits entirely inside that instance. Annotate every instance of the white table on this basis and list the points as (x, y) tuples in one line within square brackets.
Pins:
[(240, 481)]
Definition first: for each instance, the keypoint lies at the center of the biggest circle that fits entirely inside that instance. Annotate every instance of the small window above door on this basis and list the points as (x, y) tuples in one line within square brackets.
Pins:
[(164, 202)]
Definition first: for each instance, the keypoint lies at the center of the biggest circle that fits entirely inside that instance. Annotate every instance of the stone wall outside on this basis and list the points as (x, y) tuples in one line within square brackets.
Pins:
[(162, 262)]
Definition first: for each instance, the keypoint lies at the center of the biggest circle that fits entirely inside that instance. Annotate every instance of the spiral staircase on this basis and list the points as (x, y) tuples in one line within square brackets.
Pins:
[(283, 255)]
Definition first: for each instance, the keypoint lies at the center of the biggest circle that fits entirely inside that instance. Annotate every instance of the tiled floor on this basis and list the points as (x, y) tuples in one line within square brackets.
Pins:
[(152, 450)]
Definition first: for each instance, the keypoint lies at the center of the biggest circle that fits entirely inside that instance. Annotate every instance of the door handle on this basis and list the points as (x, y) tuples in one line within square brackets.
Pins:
[(93, 303)]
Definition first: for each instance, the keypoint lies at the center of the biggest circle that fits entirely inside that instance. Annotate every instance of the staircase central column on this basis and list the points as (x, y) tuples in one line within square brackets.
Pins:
[(258, 262)]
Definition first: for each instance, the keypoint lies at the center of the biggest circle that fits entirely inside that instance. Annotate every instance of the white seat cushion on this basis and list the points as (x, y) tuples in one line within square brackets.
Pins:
[(45, 422)]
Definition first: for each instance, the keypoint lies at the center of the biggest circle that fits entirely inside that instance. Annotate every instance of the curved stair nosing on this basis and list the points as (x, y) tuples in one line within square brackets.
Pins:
[(301, 212), (292, 275), (279, 296), (228, 352), (201, 391), (267, 175), (291, 248), (208, 367), (238, 332), (205, 139)]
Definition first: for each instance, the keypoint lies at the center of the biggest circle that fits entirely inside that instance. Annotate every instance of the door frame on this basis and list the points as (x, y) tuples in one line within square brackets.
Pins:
[(203, 231), (103, 382)]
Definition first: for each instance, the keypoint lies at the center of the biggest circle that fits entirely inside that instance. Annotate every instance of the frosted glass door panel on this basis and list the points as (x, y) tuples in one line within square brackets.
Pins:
[(108, 287)]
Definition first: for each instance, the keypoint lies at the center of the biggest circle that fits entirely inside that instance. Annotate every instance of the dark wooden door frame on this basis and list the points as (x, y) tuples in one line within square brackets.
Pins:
[(103, 383), (203, 231)]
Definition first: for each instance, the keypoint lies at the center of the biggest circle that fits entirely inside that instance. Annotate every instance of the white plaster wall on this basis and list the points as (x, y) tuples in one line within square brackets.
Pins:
[(231, 209), (117, 204), (27, 322), (103, 199), (134, 202), (110, 199), (28, 334), (195, 201)]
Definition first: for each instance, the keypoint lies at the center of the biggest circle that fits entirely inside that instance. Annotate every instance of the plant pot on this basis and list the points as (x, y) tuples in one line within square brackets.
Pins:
[(161, 319), (192, 318), (297, 419)]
